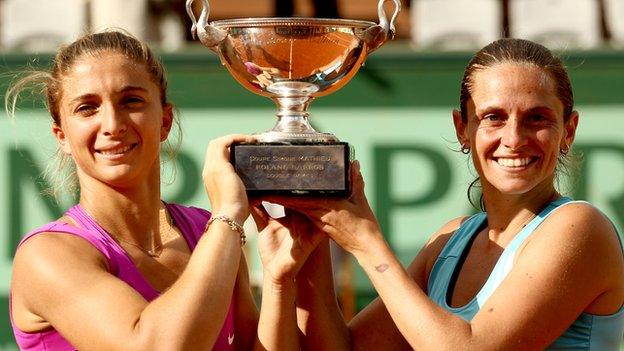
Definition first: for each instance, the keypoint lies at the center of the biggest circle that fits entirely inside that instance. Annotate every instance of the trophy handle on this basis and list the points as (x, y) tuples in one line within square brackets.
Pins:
[(209, 36), (376, 36)]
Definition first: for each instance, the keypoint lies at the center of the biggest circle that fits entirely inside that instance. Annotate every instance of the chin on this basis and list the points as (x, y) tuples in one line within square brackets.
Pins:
[(520, 188), (513, 187), (122, 180)]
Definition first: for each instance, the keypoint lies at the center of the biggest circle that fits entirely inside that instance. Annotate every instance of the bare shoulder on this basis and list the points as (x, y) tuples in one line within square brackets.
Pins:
[(423, 262), (580, 223), (49, 250), (437, 240), (576, 241), (447, 230), (49, 262)]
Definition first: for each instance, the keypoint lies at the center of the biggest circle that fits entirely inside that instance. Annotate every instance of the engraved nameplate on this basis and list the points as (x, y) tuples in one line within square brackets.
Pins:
[(295, 169)]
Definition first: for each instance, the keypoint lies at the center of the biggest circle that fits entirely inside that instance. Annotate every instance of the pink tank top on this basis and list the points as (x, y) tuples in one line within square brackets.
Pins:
[(191, 222)]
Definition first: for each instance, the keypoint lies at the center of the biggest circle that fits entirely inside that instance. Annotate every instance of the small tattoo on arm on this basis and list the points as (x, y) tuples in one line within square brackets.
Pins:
[(381, 268)]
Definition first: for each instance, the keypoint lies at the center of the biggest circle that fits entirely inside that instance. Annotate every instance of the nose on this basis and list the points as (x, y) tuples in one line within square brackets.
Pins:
[(513, 134), (113, 121)]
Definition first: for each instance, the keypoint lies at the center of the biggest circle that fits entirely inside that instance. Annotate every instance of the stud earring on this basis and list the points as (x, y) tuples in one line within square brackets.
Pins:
[(564, 150)]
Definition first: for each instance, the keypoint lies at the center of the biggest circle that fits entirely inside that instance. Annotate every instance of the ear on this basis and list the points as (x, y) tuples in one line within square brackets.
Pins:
[(61, 138), (570, 130), (460, 128), (167, 121)]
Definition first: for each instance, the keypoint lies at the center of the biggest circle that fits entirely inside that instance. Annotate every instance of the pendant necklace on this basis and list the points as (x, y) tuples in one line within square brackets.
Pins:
[(155, 251)]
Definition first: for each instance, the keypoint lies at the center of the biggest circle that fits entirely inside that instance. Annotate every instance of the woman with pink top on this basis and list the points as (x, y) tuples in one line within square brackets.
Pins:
[(123, 270)]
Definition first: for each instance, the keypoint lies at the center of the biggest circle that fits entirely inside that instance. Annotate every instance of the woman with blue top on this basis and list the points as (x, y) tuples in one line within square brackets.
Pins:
[(534, 270)]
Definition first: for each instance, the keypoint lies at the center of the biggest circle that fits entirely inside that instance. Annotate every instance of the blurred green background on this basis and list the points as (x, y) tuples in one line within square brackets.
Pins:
[(396, 114)]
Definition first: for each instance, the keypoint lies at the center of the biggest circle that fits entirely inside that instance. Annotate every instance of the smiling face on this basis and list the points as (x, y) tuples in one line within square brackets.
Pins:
[(515, 128), (112, 120)]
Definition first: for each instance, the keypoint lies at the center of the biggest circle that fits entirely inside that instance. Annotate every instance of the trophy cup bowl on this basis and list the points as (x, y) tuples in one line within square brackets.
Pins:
[(293, 61)]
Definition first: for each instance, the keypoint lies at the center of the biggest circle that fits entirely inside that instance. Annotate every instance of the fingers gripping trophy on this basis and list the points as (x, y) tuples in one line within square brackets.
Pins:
[(293, 61)]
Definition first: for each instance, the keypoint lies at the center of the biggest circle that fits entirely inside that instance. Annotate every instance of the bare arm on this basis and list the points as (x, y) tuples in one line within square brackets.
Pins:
[(277, 329), (246, 312), (284, 245), (318, 314), (320, 319), (549, 286), (63, 280), (373, 326)]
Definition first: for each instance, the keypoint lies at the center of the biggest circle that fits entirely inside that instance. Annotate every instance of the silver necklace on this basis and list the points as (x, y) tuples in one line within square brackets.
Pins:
[(153, 252)]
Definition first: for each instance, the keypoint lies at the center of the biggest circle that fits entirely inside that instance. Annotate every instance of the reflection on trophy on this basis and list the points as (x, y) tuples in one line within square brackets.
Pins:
[(293, 61)]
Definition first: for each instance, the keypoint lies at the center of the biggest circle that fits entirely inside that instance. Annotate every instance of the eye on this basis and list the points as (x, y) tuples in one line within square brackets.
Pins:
[(492, 117), (536, 118), (133, 101), (492, 120), (85, 109)]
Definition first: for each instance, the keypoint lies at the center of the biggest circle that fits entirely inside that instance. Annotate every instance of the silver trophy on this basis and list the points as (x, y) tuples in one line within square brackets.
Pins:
[(293, 61)]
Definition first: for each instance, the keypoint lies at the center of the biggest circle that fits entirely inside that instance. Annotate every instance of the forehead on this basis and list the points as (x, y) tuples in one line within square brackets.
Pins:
[(106, 70), (514, 85)]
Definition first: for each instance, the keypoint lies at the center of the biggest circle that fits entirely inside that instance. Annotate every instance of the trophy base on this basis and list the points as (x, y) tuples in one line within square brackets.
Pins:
[(309, 169)]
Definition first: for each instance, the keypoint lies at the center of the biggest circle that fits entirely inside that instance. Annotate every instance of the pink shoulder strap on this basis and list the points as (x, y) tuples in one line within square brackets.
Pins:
[(63, 228)]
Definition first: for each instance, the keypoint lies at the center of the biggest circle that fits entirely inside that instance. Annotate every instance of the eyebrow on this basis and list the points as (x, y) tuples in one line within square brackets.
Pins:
[(124, 90), (132, 88), (82, 97), (542, 109), (487, 110)]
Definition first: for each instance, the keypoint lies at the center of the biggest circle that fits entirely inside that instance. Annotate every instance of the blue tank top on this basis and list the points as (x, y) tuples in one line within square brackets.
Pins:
[(588, 332)]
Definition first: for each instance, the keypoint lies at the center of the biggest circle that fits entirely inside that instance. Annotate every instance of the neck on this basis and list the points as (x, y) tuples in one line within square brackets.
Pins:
[(508, 213), (132, 214)]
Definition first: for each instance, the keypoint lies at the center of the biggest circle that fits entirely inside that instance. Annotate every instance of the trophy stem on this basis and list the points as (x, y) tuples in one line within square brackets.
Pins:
[(293, 125), (293, 106)]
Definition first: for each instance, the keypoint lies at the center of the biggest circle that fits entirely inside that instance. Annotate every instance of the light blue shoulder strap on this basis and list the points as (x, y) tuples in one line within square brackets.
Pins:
[(534, 223), (505, 262)]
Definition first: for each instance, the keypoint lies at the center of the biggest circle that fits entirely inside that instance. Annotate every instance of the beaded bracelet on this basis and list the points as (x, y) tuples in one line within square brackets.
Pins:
[(233, 225)]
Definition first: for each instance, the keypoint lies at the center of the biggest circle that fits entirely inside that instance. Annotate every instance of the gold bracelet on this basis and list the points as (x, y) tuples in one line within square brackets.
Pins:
[(233, 225)]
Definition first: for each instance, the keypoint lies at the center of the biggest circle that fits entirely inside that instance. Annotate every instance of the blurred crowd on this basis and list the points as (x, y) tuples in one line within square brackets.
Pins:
[(41, 25)]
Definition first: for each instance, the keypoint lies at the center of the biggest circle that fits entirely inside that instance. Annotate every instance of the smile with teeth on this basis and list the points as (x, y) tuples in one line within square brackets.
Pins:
[(116, 151), (514, 162)]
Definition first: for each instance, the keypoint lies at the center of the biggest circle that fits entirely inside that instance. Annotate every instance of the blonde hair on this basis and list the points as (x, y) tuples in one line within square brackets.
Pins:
[(49, 83)]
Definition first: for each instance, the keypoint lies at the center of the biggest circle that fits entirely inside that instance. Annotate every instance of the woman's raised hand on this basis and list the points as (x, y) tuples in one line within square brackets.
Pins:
[(350, 222), (284, 243), (225, 189)]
